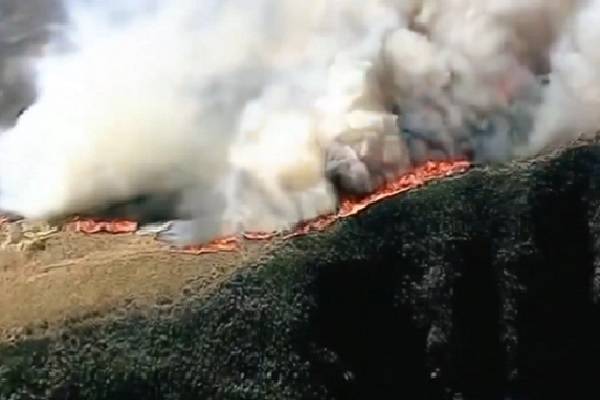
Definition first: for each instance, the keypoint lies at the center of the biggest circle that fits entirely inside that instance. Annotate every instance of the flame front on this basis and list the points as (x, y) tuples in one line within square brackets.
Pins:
[(91, 226), (432, 170), (349, 206), (244, 135)]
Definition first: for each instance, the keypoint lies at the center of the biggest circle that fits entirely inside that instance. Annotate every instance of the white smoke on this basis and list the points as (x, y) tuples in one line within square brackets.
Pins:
[(571, 102), (250, 110)]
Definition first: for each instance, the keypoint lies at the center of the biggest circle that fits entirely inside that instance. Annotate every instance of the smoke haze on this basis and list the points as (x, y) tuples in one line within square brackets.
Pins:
[(255, 114)]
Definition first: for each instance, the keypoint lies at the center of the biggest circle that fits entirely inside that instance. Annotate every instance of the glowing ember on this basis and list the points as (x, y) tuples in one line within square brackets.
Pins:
[(349, 206), (91, 226)]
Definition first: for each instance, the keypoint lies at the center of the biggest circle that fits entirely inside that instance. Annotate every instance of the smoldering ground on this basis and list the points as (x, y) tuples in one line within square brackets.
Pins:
[(249, 114)]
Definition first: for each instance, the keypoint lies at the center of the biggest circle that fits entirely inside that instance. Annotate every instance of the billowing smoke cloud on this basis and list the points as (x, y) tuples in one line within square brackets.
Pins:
[(255, 115), (24, 28), (572, 99)]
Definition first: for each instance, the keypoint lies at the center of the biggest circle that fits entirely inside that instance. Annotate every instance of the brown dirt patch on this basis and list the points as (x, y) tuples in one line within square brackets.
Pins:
[(57, 276)]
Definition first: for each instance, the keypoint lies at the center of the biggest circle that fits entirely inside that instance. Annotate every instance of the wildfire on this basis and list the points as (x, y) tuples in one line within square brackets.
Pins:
[(349, 206), (95, 226), (226, 244)]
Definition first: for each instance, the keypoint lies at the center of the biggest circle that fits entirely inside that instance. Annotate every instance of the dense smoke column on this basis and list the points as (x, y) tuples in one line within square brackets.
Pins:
[(464, 80), (25, 26), (263, 107)]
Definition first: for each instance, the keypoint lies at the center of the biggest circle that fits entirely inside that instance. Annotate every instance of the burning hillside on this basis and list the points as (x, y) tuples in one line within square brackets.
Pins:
[(349, 205), (259, 118), (233, 122), (480, 287)]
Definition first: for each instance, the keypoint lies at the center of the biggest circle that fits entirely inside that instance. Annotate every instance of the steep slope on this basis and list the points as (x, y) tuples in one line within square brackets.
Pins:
[(483, 286)]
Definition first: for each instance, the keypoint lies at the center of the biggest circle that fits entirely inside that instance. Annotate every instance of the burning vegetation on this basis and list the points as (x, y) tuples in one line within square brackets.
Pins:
[(349, 206), (288, 125)]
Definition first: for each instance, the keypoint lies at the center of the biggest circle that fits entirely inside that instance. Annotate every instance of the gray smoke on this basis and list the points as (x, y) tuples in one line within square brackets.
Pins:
[(24, 28), (253, 116)]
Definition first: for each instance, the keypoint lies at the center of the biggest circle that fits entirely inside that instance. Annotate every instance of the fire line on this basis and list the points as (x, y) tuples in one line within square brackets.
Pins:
[(349, 206)]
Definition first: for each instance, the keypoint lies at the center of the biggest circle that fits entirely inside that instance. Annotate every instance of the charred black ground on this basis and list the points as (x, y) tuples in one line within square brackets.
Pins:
[(483, 286)]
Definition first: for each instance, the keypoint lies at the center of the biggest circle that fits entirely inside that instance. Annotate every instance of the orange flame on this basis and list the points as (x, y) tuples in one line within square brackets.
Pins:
[(353, 205), (91, 226), (349, 206), (226, 244)]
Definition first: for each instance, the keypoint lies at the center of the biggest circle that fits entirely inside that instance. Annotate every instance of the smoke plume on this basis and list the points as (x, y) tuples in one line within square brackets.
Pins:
[(255, 115)]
